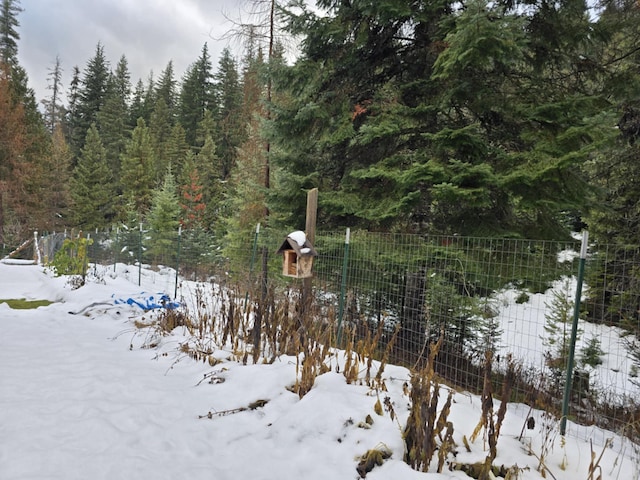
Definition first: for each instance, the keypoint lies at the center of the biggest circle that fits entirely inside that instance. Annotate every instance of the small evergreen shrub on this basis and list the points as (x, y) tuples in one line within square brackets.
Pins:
[(72, 258), (592, 353)]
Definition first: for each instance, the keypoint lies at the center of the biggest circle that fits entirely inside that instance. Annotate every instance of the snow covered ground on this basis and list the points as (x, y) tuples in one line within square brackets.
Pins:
[(81, 398)]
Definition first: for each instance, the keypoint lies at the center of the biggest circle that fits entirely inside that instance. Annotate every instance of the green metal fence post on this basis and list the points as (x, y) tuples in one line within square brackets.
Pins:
[(343, 286), (175, 292), (140, 257), (85, 259), (574, 333), (115, 259)]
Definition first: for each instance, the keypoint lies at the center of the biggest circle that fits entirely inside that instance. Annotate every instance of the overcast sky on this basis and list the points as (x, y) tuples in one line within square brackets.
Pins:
[(148, 32)]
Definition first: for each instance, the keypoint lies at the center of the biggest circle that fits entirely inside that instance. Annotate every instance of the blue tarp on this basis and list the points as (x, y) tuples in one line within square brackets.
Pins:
[(149, 302)]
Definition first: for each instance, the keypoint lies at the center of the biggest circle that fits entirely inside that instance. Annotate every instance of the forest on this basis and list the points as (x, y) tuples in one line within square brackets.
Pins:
[(516, 119)]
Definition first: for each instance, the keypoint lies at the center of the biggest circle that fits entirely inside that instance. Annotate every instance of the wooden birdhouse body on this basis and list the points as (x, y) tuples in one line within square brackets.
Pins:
[(297, 259)]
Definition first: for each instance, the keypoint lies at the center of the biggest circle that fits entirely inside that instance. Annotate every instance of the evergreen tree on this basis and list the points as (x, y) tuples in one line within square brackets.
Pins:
[(176, 147), (129, 234), (112, 122), (228, 95), (164, 220), (138, 108), (191, 194), (211, 171), (419, 117), (136, 174), (121, 78), (160, 131), (9, 36), (143, 101), (196, 95), (248, 199), (92, 185), (614, 220), (166, 90), (91, 96)]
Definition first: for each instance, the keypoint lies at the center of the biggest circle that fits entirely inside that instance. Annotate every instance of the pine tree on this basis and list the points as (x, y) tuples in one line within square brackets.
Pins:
[(92, 185), (137, 174)]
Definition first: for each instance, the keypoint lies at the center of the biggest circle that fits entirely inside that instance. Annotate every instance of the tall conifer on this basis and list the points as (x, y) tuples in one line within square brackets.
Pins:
[(92, 189)]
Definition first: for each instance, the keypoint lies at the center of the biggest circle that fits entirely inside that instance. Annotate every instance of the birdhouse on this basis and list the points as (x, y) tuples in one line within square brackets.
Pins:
[(297, 255)]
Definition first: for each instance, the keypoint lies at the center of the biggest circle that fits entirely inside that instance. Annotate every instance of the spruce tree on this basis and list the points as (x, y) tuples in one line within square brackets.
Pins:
[(92, 190), (164, 221), (112, 122), (166, 90), (143, 101), (90, 96), (160, 131), (196, 95), (9, 36), (176, 147), (422, 117), (228, 95), (72, 117), (137, 174), (211, 171)]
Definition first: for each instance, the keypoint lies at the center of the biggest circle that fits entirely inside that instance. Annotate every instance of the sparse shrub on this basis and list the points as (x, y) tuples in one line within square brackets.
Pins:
[(425, 426), (523, 297), (72, 260)]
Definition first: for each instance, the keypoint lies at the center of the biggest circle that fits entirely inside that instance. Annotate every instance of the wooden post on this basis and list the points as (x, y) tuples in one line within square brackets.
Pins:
[(312, 213), (310, 231)]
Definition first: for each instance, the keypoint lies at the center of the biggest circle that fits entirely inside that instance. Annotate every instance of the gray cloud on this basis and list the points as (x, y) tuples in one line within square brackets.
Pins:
[(148, 32)]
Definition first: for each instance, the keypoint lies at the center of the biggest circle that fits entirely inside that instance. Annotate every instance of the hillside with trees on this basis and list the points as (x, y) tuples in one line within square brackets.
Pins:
[(510, 119)]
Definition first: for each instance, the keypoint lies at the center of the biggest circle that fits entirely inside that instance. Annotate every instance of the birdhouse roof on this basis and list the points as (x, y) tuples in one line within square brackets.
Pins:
[(301, 250)]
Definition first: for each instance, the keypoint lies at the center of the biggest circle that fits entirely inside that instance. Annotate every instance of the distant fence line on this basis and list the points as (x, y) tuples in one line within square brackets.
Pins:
[(513, 297)]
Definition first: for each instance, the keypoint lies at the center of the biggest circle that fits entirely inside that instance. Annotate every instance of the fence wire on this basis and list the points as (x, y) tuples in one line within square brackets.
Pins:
[(511, 297)]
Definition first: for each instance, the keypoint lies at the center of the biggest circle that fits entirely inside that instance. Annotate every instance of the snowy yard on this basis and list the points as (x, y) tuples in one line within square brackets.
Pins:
[(82, 398)]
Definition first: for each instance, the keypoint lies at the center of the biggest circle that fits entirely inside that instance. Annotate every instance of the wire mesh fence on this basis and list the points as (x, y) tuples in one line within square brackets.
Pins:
[(516, 299)]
